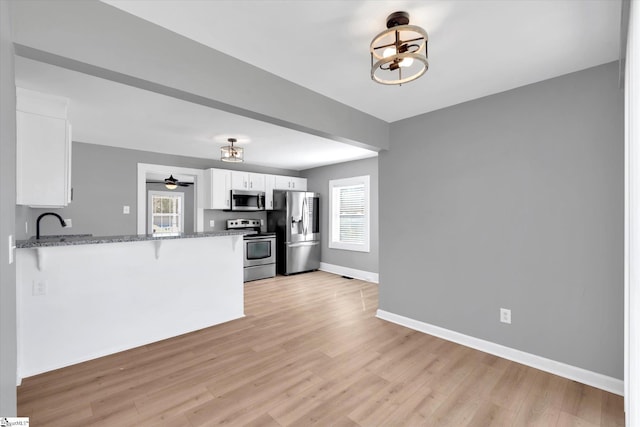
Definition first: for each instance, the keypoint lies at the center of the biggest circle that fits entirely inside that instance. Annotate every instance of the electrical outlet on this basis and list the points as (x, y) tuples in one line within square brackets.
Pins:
[(126, 210), (212, 223), (68, 222), (39, 288), (505, 315)]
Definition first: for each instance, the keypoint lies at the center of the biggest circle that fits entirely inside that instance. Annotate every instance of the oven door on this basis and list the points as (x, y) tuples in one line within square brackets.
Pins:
[(259, 251)]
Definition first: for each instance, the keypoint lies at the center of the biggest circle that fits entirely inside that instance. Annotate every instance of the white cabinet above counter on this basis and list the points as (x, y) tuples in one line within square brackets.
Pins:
[(43, 151), (220, 182), (247, 181), (290, 183)]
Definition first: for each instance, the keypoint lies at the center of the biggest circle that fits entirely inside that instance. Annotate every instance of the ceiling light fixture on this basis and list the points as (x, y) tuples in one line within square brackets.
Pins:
[(229, 153), (399, 53), (171, 183)]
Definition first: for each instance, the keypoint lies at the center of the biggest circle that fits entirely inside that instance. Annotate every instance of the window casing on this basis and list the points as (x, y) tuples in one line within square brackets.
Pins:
[(166, 213), (349, 213)]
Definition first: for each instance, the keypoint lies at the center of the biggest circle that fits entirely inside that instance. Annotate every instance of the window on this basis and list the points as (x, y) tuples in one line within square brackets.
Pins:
[(349, 213), (166, 212)]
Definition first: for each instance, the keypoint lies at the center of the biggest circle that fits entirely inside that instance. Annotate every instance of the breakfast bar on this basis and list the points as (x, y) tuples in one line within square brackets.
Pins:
[(83, 297)]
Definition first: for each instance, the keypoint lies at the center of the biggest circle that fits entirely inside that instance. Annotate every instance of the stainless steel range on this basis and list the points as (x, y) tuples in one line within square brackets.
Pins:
[(259, 249)]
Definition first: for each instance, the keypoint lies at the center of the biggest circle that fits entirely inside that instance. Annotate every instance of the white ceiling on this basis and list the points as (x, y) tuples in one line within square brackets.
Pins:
[(108, 113), (476, 48)]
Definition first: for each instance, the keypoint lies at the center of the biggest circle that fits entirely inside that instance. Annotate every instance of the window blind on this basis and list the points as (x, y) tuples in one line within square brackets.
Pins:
[(351, 214)]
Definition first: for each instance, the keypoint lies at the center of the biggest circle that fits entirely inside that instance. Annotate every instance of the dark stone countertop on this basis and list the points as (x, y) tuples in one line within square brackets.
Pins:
[(88, 239)]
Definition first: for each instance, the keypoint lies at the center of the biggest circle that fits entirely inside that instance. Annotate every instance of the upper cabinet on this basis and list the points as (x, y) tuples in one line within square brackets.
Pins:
[(269, 185), (217, 189), (247, 181), (43, 151), (220, 182), (290, 183)]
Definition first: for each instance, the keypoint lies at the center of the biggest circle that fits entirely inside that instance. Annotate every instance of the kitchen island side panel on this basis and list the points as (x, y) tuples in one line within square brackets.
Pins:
[(89, 301)]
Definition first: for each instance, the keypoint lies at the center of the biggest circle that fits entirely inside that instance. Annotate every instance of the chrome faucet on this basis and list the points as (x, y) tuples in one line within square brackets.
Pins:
[(62, 223)]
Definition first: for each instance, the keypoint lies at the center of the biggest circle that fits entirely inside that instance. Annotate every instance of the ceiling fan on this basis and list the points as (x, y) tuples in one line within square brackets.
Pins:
[(171, 183)]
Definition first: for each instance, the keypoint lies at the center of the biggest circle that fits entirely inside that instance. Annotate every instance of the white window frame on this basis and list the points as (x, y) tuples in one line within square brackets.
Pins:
[(150, 210), (334, 221)]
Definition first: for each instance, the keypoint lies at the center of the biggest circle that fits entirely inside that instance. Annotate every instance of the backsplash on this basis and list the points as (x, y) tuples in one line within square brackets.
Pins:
[(221, 217)]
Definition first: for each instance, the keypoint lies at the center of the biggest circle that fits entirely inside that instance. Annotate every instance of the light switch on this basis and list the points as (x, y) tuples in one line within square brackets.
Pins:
[(212, 223), (125, 210)]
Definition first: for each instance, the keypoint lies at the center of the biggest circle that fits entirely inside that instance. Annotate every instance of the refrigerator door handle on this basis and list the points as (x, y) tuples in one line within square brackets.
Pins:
[(305, 216), (296, 245)]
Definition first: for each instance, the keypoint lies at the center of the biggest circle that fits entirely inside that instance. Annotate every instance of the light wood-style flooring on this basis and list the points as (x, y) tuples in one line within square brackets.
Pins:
[(310, 352)]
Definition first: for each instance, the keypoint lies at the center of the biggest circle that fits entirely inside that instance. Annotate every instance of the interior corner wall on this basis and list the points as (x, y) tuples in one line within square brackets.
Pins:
[(318, 181), (8, 344), (514, 201)]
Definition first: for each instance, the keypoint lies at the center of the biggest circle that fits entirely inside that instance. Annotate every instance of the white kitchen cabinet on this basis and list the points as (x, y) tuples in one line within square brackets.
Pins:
[(247, 181), (218, 188), (290, 183), (269, 185), (43, 151)]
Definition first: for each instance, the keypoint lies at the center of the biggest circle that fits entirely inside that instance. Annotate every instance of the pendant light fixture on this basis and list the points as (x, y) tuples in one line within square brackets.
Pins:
[(230, 153), (399, 53)]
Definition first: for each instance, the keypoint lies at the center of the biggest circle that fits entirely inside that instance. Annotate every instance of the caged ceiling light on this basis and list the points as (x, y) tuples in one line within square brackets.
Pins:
[(230, 153), (399, 53)]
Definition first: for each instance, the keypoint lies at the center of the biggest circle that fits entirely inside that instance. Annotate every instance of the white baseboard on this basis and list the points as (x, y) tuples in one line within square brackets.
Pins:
[(349, 272), (574, 373)]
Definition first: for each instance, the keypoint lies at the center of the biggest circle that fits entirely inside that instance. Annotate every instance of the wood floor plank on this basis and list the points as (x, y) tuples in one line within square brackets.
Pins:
[(310, 351)]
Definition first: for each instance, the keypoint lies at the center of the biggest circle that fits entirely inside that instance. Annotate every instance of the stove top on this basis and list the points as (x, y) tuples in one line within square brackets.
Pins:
[(253, 225)]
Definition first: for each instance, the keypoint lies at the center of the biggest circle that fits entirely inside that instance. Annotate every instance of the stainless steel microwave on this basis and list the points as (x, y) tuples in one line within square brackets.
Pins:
[(243, 200)]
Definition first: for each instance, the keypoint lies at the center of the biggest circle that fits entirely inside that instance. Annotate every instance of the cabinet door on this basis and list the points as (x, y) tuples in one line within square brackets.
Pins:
[(269, 186), (283, 182), (43, 165), (219, 181), (239, 180), (299, 184), (256, 182)]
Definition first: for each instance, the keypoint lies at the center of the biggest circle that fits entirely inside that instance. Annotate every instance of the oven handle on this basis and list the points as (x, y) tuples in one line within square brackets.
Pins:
[(295, 245)]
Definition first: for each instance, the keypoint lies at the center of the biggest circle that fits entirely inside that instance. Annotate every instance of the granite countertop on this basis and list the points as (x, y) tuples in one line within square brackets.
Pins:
[(88, 239)]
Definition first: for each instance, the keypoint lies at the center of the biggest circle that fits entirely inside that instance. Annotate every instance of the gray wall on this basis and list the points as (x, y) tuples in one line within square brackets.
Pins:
[(104, 179), (154, 58), (8, 346), (516, 201), (318, 181)]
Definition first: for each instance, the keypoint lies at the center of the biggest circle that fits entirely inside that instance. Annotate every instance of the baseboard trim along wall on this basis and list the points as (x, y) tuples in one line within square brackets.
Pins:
[(593, 379), (367, 276)]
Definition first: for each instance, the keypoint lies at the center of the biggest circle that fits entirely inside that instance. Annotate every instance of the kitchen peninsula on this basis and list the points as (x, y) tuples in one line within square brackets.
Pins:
[(83, 297)]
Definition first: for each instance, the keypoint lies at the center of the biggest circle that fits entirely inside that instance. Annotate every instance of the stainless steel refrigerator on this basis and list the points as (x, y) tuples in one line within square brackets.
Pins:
[(296, 221)]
